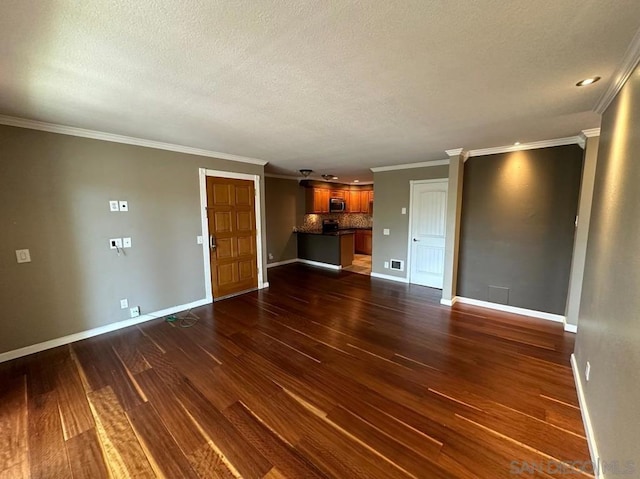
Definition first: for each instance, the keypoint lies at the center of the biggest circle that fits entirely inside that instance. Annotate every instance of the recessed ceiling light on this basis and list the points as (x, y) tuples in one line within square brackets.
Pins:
[(517, 143), (356, 181), (587, 81)]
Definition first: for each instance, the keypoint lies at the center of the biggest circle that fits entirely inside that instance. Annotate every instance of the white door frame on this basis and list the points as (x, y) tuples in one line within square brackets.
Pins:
[(203, 173), (411, 184)]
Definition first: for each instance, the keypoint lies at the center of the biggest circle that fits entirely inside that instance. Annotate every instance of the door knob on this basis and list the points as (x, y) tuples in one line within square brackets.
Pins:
[(212, 242)]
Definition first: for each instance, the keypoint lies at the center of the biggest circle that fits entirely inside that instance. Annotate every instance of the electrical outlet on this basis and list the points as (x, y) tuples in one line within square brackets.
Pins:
[(270, 256), (587, 371), (114, 205), (385, 231), (135, 311), (23, 256), (124, 205), (115, 243), (386, 265), (124, 303), (126, 242)]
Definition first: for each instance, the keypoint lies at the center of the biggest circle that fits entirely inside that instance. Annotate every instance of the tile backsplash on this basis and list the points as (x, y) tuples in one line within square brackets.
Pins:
[(346, 220)]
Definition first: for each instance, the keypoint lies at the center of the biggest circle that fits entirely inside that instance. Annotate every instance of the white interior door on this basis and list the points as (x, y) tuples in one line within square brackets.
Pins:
[(428, 225)]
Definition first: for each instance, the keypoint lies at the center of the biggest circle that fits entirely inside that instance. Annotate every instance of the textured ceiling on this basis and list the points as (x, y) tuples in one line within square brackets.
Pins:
[(336, 86)]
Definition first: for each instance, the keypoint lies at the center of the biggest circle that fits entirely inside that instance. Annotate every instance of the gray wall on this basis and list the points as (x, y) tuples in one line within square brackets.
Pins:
[(392, 192), (582, 231), (285, 209), (54, 196), (517, 227), (609, 323)]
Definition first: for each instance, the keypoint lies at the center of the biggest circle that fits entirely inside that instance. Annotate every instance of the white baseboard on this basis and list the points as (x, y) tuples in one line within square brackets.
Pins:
[(319, 264), (107, 328), (449, 302), (389, 277), (586, 419), (512, 309), (282, 263), (570, 328)]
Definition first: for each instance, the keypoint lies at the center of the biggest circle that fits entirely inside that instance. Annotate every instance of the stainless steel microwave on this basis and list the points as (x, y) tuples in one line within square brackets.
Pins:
[(336, 205)]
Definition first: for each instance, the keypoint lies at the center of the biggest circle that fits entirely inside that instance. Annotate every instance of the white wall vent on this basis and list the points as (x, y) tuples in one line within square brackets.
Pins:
[(397, 264)]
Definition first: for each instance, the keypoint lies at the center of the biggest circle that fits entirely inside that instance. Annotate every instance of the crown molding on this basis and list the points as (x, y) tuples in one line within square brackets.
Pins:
[(284, 177), (570, 140), (625, 69), (458, 153), (584, 134), (408, 166), (128, 140), (591, 132)]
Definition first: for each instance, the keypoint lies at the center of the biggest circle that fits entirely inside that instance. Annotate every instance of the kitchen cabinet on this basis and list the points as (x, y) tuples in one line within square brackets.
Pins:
[(353, 201), (317, 200), (366, 197), (363, 242), (338, 194)]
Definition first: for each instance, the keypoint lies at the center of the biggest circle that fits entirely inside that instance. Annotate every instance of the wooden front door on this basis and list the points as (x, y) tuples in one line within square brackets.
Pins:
[(232, 236)]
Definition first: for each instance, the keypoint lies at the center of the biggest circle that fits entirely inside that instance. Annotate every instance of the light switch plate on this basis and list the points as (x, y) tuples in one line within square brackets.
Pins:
[(385, 231), (587, 371), (126, 242), (124, 205), (199, 239), (124, 303), (23, 256), (114, 205), (404, 211), (115, 243)]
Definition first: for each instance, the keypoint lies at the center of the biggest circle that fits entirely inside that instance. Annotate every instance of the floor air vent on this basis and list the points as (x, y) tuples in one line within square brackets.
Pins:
[(397, 264)]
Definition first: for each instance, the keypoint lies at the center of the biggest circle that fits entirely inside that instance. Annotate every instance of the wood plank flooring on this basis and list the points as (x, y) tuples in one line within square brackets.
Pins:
[(323, 375)]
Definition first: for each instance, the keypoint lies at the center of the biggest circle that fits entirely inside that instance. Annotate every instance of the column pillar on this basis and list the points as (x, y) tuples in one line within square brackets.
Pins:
[(452, 239), (591, 141)]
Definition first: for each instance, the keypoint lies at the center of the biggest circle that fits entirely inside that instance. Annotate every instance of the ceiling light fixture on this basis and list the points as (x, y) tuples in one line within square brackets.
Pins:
[(329, 177), (305, 172), (517, 143), (356, 181), (587, 81)]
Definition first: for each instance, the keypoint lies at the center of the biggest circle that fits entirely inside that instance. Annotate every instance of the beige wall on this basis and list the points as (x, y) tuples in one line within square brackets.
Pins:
[(392, 192), (609, 324), (54, 196), (285, 209)]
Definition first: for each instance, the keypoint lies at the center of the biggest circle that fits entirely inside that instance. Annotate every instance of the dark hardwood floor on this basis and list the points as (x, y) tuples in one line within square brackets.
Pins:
[(324, 374)]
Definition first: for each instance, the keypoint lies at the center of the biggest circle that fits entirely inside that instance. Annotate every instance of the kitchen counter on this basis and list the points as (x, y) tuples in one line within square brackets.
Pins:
[(341, 231), (334, 248), (349, 231)]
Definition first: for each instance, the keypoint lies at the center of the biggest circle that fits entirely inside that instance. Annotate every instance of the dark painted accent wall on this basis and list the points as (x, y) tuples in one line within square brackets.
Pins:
[(517, 227)]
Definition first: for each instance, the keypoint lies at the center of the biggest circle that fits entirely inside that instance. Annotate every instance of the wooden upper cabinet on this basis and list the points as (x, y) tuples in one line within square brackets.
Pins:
[(365, 206), (353, 201), (317, 200), (356, 200)]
